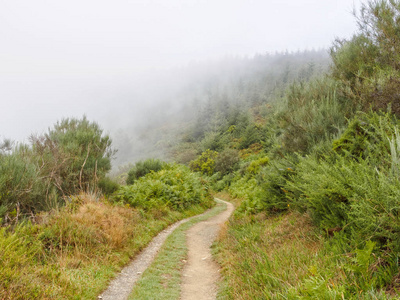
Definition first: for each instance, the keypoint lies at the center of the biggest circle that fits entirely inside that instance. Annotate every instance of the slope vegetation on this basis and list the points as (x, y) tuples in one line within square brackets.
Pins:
[(316, 166)]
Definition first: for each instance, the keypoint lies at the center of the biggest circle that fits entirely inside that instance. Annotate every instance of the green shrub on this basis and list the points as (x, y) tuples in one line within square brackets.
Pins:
[(314, 112), (247, 188), (205, 163), (226, 161), (213, 140), (108, 186), (175, 187), (368, 64), (272, 179), (73, 156), (349, 195), (321, 188), (222, 183), (367, 136), (251, 135), (353, 188), (21, 187), (255, 165), (142, 168), (184, 153)]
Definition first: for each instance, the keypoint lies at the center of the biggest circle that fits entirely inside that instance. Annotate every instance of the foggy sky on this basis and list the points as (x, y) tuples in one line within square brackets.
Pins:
[(99, 58)]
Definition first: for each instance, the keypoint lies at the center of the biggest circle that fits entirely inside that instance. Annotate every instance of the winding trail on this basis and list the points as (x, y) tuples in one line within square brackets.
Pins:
[(201, 272), (199, 275), (122, 285)]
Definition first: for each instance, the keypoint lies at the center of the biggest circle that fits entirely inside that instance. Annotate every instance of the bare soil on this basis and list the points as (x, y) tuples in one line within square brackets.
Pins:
[(201, 272)]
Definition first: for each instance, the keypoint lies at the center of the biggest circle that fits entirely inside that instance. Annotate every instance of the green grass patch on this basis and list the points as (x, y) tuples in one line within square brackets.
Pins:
[(287, 257), (262, 258), (163, 278)]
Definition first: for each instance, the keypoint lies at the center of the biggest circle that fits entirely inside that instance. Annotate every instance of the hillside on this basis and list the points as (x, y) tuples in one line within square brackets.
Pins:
[(206, 94), (306, 145), (316, 170)]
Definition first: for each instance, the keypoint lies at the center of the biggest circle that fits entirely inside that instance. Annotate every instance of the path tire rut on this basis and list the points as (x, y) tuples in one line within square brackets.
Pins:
[(201, 272)]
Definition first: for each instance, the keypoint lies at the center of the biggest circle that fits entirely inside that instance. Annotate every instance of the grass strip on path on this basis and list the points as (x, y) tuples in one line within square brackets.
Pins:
[(163, 278)]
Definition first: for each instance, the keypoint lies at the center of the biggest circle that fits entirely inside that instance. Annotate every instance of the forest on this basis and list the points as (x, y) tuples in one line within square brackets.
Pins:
[(305, 144)]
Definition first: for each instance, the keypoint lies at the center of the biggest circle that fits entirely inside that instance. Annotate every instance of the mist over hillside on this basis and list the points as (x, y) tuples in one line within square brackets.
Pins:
[(128, 63), (194, 95)]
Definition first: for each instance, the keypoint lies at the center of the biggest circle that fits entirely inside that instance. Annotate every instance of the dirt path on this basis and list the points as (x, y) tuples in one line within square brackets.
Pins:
[(201, 272), (122, 285)]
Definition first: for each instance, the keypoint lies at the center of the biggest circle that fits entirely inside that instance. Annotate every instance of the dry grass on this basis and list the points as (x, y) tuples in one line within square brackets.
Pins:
[(113, 223)]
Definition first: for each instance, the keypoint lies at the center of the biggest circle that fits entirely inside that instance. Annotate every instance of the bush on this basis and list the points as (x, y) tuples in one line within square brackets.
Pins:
[(205, 163), (142, 168), (184, 153), (108, 186), (175, 187), (321, 188), (214, 141), (248, 190), (356, 186), (350, 195), (21, 187), (72, 156), (251, 135), (368, 64), (367, 136), (314, 113), (255, 165), (219, 182), (226, 161), (273, 179)]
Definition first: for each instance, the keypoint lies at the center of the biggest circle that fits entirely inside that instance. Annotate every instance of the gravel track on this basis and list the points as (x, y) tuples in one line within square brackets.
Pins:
[(201, 273), (122, 285)]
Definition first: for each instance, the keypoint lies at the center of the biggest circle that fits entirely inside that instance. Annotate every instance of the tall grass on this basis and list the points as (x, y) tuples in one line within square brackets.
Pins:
[(286, 257), (263, 258)]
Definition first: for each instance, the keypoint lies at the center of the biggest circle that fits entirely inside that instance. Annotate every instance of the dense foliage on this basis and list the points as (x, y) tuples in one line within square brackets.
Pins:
[(175, 187), (205, 163)]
